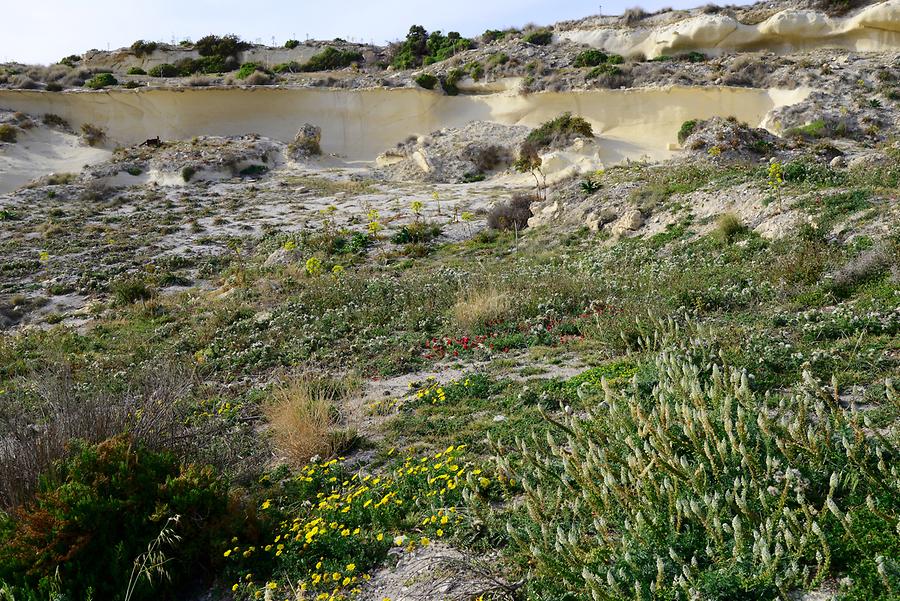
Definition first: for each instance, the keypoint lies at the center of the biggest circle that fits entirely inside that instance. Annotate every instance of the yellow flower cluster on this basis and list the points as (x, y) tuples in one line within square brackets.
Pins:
[(340, 521)]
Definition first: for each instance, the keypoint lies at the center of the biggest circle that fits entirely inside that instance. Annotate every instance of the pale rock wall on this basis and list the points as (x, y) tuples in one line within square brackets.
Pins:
[(876, 27), (360, 124)]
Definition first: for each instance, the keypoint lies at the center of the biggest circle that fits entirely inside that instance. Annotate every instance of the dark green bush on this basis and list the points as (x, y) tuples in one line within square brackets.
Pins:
[(100, 81), (224, 46), (164, 70), (187, 173), (605, 69), (143, 48), (136, 71), (590, 58), (416, 233), (539, 37), (98, 512), (687, 128), (426, 80), (70, 61), (291, 44), (331, 59)]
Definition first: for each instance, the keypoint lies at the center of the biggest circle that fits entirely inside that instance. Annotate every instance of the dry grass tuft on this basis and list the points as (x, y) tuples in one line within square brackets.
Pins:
[(305, 421), (477, 308)]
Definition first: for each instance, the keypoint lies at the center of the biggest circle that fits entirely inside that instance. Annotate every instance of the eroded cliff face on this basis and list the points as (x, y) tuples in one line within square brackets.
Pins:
[(360, 124), (873, 28)]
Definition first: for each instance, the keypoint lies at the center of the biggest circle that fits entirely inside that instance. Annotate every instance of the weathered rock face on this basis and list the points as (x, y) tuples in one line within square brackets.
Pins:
[(875, 27), (306, 143), (629, 222)]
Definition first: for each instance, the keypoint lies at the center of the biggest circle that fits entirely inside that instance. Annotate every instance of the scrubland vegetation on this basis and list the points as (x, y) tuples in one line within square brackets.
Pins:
[(673, 417)]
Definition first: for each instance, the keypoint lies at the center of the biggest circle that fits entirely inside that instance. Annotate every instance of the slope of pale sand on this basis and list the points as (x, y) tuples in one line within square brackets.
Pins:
[(41, 151), (874, 28), (360, 124)]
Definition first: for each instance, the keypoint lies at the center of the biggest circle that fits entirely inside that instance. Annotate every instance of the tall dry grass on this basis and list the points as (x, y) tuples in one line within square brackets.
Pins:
[(305, 420), (476, 308)]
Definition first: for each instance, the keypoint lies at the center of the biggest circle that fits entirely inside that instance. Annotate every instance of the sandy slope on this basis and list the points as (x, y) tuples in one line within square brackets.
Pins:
[(360, 124), (40, 151)]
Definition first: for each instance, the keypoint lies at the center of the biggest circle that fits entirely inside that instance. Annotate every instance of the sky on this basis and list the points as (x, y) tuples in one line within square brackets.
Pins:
[(44, 31)]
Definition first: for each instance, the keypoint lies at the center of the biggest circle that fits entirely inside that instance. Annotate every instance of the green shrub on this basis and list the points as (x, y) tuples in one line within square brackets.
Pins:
[(559, 130), (100, 81), (187, 173), (686, 129), (476, 70), (248, 68), (54, 87), (131, 290), (164, 70), (224, 46), (426, 80), (136, 71), (729, 226), (70, 61), (291, 44), (421, 48), (590, 58), (449, 81), (8, 133), (498, 58), (605, 69), (143, 48), (539, 37), (289, 67), (254, 171), (814, 129), (99, 511), (418, 232), (332, 59)]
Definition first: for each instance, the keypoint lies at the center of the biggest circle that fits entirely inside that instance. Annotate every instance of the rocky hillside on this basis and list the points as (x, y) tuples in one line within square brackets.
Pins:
[(608, 309)]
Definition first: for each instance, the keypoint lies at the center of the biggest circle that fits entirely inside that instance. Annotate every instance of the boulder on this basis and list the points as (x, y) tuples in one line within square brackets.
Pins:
[(307, 142)]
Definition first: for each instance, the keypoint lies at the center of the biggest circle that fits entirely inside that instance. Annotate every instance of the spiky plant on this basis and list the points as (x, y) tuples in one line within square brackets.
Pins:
[(705, 489)]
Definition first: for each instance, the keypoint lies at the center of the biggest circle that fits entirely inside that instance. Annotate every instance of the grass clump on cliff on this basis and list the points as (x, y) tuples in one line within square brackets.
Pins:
[(421, 48), (538, 37)]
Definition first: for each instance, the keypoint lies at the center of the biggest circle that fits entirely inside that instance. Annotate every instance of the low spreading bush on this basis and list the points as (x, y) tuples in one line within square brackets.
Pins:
[(332, 59), (538, 37), (143, 48), (686, 129), (291, 44), (136, 71), (96, 514), (164, 70), (100, 81), (426, 80), (590, 58), (556, 132)]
